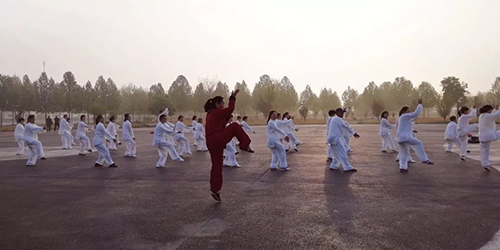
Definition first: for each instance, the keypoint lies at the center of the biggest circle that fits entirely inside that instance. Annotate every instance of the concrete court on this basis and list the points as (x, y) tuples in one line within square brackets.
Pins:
[(65, 203)]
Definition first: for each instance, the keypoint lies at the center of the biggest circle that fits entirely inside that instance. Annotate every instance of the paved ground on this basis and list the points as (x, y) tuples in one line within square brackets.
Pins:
[(65, 203)]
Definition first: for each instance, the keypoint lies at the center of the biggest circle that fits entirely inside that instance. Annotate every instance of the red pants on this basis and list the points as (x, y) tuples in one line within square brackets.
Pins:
[(216, 144)]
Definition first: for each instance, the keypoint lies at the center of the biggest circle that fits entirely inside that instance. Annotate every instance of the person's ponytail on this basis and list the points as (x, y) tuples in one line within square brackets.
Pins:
[(209, 105)]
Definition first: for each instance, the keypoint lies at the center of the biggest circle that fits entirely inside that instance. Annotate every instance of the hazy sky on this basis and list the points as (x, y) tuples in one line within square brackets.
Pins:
[(322, 43)]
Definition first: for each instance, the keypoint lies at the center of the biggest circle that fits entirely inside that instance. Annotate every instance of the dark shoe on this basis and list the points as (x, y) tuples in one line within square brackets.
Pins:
[(80, 154), (90, 150), (462, 158), (403, 170), (287, 150), (384, 151), (43, 158), (97, 165), (112, 166), (428, 162), (296, 150), (121, 143), (487, 169), (468, 151), (216, 196), (249, 150), (351, 171), (30, 165), (236, 153)]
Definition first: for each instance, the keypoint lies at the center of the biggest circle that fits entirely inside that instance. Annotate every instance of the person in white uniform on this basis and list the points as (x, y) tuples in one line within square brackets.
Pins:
[(65, 133), (289, 130), (405, 138), (164, 148), (129, 137), (463, 128), (199, 136), (100, 137), (336, 139), (35, 146), (283, 125), (184, 147), (487, 132), (230, 150), (451, 135), (193, 126), (111, 128), (329, 152), (81, 136), (19, 136), (274, 136), (71, 137), (385, 133), (410, 159), (245, 126)]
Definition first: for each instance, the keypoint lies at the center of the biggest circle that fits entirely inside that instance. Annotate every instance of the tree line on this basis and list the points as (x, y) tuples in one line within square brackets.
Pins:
[(46, 95)]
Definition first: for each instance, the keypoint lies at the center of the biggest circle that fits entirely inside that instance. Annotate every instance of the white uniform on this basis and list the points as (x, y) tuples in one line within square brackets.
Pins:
[(410, 159), (35, 146), (285, 125), (164, 148), (111, 128), (463, 130), (385, 133), (406, 138), (274, 136), (81, 136), (193, 125), (65, 132), (347, 137), (116, 134), (199, 136), (487, 134), (100, 136), (329, 152), (169, 125), (337, 131), (246, 127), (230, 153), (184, 147), (451, 136), (19, 136), (128, 136), (289, 130)]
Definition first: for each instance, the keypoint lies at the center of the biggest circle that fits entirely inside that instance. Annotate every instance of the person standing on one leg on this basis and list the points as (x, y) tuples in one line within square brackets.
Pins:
[(218, 135), (200, 136), (336, 139), (487, 132), (19, 136), (81, 136), (405, 138), (184, 147), (451, 135), (164, 147), (129, 137), (230, 150), (464, 117), (274, 135), (385, 127), (100, 136), (111, 128), (35, 146)]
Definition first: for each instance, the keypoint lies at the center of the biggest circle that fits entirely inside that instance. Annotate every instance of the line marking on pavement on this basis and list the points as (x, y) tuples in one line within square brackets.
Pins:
[(8, 154)]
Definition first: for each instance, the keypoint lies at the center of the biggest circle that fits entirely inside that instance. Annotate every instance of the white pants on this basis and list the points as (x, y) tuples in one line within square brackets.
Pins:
[(184, 147), (117, 139), (485, 151), (230, 155), (463, 135), (202, 144), (103, 154), (66, 140), (341, 158), (293, 139), (347, 142), (20, 147), (164, 149), (404, 151), (35, 151), (195, 143), (84, 144), (387, 141), (278, 155), (130, 147), (112, 145), (329, 152), (290, 145), (450, 142)]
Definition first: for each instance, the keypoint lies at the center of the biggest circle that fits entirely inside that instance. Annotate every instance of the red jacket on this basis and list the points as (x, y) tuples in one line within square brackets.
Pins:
[(216, 120)]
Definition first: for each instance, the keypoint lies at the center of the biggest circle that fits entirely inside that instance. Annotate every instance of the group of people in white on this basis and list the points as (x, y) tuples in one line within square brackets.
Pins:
[(170, 139)]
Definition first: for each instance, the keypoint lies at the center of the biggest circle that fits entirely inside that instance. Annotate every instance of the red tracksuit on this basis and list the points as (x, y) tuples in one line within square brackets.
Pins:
[(218, 135)]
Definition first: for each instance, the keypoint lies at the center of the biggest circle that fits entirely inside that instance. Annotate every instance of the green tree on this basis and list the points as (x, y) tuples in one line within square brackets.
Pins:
[(159, 100), (444, 108), (403, 91), (286, 96), (454, 91), (221, 89), (27, 97), (377, 107), (264, 95), (429, 94), (44, 90), (350, 98), (180, 93), (200, 96), (495, 89), (328, 100), (386, 93), (244, 98), (113, 99)]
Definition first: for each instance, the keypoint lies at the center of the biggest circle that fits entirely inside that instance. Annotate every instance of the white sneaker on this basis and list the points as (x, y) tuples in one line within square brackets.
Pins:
[(237, 166), (180, 159), (285, 168), (411, 161)]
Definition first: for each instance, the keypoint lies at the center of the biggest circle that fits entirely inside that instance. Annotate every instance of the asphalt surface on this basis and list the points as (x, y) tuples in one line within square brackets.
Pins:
[(66, 203)]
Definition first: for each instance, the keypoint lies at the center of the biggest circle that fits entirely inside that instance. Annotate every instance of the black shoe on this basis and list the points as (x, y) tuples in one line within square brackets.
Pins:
[(462, 158), (30, 165), (112, 166), (487, 168), (403, 170), (287, 150), (121, 143), (249, 150), (97, 165), (428, 162), (236, 153), (90, 150), (351, 171), (468, 151), (216, 196), (43, 158), (384, 151), (80, 154), (296, 150)]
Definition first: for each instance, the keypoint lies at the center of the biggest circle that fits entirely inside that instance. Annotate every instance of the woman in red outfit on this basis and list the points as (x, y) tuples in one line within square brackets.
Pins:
[(218, 135)]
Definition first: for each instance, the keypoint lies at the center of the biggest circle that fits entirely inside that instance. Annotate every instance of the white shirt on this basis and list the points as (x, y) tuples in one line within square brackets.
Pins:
[(328, 121), (159, 134), (274, 134), (30, 131), (19, 132), (405, 131), (111, 128), (487, 126), (64, 127), (463, 122), (80, 130), (179, 127), (193, 124), (199, 133), (385, 127), (337, 130), (283, 124), (451, 131), (101, 133), (246, 127), (127, 132)]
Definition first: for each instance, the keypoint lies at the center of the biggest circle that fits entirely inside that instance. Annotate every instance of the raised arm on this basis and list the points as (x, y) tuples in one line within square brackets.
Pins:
[(165, 112), (417, 112), (105, 132), (472, 114)]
